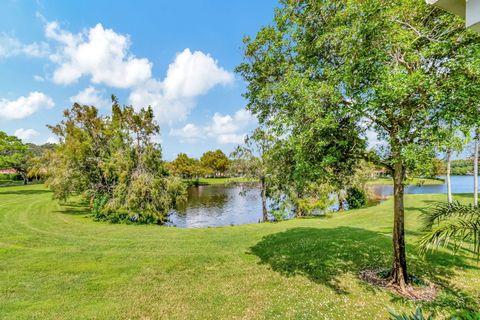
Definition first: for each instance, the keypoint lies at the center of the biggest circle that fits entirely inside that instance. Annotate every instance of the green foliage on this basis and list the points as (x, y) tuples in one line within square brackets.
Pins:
[(187, 167), (448, 223), (14, 154), (214, 162), (462, 167), (417, 315), (113, 162), (356, 198), (327, 73)]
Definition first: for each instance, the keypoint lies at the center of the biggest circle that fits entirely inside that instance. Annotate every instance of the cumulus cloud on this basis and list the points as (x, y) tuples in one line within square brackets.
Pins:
[(104, 56), (99, 53), (24, 106), (225, 129), (91, 97), (189, 76), (11, 46), (189, 133), (26, 135)]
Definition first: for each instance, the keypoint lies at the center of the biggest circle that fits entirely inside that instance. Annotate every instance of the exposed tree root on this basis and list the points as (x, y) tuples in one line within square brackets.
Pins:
[(427, 291)]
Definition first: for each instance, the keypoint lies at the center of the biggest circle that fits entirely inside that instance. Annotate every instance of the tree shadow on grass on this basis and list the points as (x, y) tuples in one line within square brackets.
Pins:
[(324, 255), (75, 208), (25, 192)]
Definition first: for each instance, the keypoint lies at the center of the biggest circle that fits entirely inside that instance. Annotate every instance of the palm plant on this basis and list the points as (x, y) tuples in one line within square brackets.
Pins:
[(454, 223), (417, 315)]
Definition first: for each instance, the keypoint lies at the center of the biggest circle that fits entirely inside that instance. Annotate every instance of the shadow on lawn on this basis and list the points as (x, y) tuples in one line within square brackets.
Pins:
[(26, 192), (323, 255), (75, 208)]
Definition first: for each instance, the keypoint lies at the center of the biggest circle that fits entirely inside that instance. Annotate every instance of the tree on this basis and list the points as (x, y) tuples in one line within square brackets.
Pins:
[(113, 162), (14, 154), (373, 66), (252, 158), (215, 162), (451, 142), (186, 167)]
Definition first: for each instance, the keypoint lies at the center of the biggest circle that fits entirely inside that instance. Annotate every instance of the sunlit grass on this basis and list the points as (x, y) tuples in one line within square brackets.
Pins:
[(414, 181), (57, 263)]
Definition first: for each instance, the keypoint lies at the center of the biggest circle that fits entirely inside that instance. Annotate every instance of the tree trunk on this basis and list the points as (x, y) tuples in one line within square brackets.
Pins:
[(264, 200), (475, 168), (399, 271), (449, 180), (341, 200)]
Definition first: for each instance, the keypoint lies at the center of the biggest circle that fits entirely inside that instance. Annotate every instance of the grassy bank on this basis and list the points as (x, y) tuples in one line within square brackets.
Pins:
[(414, 181), (56, 263), (214, 181)]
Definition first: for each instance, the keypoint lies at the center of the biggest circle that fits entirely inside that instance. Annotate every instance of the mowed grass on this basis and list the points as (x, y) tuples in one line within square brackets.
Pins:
[(414, 181), (56, 263), (220, 180)]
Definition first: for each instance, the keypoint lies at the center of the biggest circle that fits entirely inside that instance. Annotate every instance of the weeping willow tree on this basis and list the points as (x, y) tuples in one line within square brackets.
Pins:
[(114, 163)]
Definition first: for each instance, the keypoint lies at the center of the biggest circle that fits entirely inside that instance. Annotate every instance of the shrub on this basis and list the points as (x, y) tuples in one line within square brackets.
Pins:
[(417, 315), (356, 198)]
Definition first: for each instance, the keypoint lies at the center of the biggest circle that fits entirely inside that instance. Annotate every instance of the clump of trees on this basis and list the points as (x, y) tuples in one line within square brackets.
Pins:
[(14, 155), (328, 73), (211, 164), (24, 158), (114, 163)]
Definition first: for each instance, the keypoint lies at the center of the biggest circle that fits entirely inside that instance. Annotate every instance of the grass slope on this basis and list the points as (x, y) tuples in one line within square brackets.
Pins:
[(414, 181), (56, 263)]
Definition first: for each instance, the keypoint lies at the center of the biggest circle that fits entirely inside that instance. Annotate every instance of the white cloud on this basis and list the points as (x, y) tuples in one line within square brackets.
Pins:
[(11, 46), (194, 74), (24, 106), (224, 129), (99, 53), (104, 56), (38, 78), (189, 133), (92, 97), (26, 135), (188, 77)]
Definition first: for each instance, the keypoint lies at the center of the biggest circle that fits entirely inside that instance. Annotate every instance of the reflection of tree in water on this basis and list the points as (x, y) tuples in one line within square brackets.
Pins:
[(206, 197)]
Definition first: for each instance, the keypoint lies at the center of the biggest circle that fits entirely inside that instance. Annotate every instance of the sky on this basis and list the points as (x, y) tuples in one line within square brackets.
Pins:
[(177, 56)]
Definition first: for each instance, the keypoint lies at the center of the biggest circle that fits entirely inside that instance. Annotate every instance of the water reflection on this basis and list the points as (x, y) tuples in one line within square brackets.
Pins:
[(218, 205), (223, 205)]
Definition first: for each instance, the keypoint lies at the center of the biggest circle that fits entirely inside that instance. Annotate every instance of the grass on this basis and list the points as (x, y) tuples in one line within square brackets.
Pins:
[(414, 181), (56, 263), (215, 181)]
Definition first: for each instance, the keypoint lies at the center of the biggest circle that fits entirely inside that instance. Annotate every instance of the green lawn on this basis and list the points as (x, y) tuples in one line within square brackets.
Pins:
[(414, 181), (56, 263), (211, 181)]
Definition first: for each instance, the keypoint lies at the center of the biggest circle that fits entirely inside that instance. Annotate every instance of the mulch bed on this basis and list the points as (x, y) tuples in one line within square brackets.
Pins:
[(427, 291)]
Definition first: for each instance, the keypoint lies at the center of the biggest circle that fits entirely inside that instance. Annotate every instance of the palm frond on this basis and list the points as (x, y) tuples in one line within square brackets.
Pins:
[(454, 223)]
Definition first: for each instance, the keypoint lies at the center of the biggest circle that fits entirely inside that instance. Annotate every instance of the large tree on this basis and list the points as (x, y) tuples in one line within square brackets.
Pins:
[(367, 67), (14, 154), (114, 163), (215, 162)]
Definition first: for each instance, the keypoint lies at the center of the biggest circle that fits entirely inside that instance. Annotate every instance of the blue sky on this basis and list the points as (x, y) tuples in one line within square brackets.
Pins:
[(177, 56)]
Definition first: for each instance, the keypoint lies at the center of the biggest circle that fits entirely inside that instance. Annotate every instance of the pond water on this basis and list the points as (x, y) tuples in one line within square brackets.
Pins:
[(224, 205)]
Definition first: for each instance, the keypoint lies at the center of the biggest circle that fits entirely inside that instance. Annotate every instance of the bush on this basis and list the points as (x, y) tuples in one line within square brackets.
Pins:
[(417, 315), (356, 198)]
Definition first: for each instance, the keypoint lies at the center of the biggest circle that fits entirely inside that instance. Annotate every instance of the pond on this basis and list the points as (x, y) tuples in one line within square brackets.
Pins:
[(224, 205)]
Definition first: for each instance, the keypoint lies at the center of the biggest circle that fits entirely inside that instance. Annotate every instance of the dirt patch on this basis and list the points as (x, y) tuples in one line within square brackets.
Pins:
[(417, 290)]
